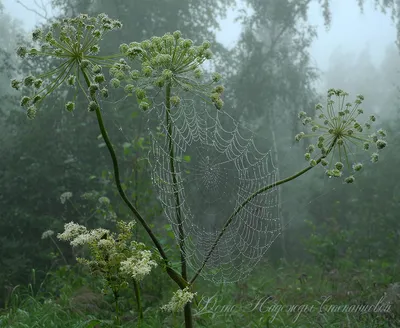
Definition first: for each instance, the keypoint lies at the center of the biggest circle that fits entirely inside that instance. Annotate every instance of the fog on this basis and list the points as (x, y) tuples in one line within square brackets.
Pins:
[(151, 178), (351, 30)]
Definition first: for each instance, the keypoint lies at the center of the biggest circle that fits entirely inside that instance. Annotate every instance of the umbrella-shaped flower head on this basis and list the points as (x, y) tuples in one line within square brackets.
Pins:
[(339, 133), (72, 46)]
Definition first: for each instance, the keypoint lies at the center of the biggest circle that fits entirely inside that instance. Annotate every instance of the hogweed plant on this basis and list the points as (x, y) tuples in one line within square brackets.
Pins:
[(173, 65)]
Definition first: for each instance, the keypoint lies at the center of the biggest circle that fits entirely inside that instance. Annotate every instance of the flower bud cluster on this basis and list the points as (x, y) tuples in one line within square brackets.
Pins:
[(74, 44), (171, 60), (338, 133)]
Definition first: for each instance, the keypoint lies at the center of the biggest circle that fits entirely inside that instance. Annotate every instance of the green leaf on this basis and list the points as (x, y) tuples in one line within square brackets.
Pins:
[(186, 158)]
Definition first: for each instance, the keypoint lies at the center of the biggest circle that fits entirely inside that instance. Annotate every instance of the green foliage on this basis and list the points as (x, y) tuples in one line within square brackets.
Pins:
[(276, 296)]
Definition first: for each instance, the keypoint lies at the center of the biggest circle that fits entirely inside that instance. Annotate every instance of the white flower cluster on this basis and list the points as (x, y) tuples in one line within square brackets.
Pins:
[(71, 231), (179, 300), (78, 235), (138, 266), (134, 261), (65, 196), (89, 237)]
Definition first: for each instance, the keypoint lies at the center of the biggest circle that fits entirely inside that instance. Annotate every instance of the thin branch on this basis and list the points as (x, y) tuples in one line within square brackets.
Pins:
[(34, 10), (42, 6)]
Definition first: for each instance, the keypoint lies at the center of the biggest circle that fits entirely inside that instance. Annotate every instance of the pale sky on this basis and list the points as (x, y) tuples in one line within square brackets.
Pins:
[(350, 29)]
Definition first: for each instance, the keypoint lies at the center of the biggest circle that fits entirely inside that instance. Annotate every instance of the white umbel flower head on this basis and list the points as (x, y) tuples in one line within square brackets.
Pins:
[(65, 196), (71, 231), (47, 234)]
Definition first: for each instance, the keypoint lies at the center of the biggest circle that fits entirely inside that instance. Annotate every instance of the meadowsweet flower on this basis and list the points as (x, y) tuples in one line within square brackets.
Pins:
[(139, 265), (179, 300), (89, 237), (339, 133), (106, 243), (113, 256), (171, 60), (74, 44)]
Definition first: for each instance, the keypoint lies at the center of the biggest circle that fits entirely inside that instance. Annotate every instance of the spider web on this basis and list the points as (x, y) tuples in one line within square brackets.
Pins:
[(217, 167)]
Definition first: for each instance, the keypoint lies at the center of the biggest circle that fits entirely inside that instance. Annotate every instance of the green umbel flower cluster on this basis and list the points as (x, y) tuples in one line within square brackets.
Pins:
[(339, 133), (167, 60), (74, 43)]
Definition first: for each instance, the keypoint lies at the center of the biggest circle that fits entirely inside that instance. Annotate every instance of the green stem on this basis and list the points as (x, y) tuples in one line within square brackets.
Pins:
[(136, 286), (188, 308), (188, 315), (59, 250), (175, 181), (182, 283), (118, 320), (238, 209)]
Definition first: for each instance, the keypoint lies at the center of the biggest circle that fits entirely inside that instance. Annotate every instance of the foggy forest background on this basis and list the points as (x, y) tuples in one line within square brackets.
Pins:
[(339, 240)]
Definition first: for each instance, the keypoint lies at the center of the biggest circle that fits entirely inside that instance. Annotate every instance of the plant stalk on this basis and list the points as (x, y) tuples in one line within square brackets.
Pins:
[(182, 283), (175, 181), (136, 286), (188, 308)]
